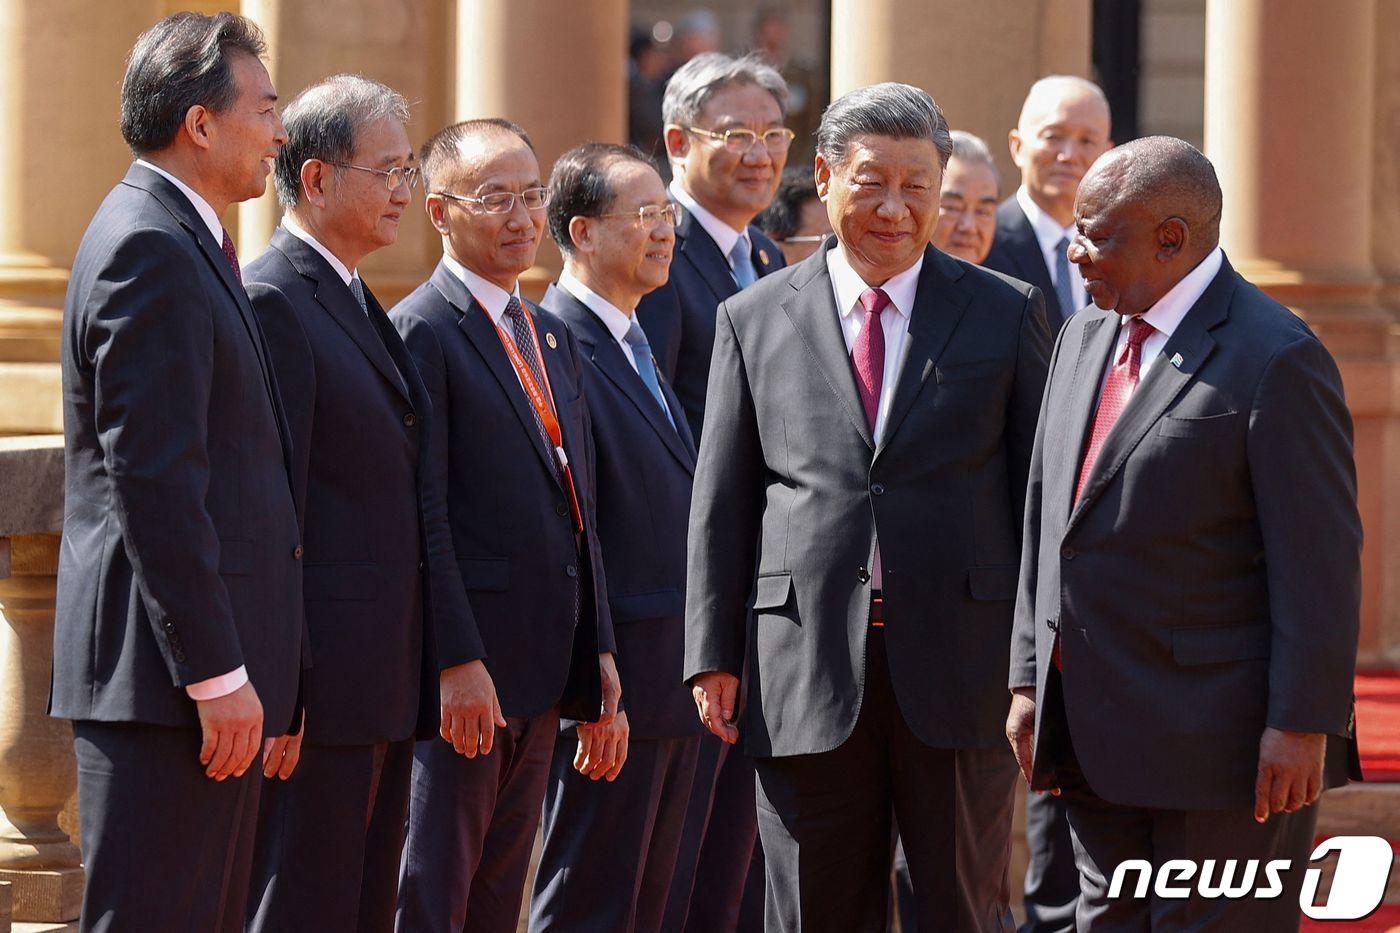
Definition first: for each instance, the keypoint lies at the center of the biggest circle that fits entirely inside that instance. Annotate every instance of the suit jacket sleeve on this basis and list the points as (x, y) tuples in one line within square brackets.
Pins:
[(456, 638), (726, 514), (1304, 477), (149, 338), (607, 642)]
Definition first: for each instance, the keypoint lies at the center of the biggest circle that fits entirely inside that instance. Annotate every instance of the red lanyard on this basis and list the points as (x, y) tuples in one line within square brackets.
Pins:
[(544, 408)]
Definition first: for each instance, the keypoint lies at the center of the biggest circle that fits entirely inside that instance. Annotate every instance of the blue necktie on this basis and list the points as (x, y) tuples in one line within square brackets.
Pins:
[(741, 261), (357, 288), (1063, 290), (646, 367)]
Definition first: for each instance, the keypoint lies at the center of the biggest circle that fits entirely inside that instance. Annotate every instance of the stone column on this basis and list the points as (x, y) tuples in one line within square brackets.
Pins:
[(556, 67), (943, 47), (38, 773), (1290, 128)]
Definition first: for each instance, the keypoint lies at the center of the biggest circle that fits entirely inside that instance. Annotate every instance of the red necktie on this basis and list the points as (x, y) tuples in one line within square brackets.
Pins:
[(232, 256), (1122, 380), (868, 354)]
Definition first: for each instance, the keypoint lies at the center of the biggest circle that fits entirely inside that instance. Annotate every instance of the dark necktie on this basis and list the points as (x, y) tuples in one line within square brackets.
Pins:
[(868, 354), (231, 255), (525, 340), (1064, 289), (357, 289)]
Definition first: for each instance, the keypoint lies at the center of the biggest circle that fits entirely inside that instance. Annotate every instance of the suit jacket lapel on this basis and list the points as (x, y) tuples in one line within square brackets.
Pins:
[(702, 252), (1023, 247), (812, 310), (477, 325), (398, 353), (1095, 346), (939, 304)]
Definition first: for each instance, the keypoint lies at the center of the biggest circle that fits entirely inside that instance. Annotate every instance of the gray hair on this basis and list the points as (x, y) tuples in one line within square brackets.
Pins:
[(695, 82), (897, 110), (973, 150), (323, 122)]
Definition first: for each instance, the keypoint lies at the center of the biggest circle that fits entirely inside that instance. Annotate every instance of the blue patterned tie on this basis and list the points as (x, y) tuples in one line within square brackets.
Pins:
[(357, 288), (741, 261), (646, 366), (1063, 289)]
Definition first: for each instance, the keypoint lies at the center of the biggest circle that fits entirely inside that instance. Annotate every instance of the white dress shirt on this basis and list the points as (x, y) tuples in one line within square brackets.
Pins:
[(901, 289), (1048, 234), (724, 235), (1166, 315), (613, 318), (224, 684), (292, 227), (490, 296)]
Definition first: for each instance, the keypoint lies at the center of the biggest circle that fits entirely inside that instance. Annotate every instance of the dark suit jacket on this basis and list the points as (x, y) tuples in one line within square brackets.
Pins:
[(1207, 583), (509, 514), (790, 482), (645, 470), (679, 317), (1016, 252), (378, 548), (180, 547)]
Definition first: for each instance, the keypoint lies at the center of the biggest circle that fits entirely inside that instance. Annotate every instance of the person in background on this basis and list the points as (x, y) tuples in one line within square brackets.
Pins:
[(806, 84), (796, 220), (646, 83), (967, 206)]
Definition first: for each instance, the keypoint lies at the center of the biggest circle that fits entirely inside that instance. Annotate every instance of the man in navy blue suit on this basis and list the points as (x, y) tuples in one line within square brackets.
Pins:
[(609, 214)]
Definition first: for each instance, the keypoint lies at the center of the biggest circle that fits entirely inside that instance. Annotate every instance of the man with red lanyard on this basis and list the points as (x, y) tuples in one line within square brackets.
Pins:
[(508, 444)]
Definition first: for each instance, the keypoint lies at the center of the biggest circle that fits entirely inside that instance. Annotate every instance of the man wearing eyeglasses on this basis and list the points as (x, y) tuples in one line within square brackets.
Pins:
[(331, 824), (609, 214), (727, 147), (509, 443)]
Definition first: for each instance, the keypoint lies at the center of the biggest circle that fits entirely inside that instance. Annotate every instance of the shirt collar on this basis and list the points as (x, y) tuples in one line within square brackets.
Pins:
[(724, 235), (1166, 315), (1048, 232), (201, 206), (487, 294), (849, 285), (617, 323), (292, 227)]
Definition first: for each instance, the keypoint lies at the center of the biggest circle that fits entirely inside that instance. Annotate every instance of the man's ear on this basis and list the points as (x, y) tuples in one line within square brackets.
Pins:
[(197, 126), (821, 172), (435, 205), (1173, 236), (313, 182), (677, 142), (581, 235), (1013, 143)]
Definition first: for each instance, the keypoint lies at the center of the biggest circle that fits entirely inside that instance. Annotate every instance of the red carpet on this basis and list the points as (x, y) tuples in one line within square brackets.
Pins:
[(1378, 725)]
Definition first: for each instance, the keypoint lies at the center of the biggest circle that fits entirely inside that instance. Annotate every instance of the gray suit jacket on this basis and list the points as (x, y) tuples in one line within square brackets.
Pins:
[(1207, 583), (180, 558), (790, 491)]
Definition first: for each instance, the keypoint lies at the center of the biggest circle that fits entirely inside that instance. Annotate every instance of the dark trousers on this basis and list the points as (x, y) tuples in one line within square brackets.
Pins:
[(718, 882), (986, 801), (610, 848), (329, 840), (826, 820), (1052, 880), (165, 848), (471, 826)]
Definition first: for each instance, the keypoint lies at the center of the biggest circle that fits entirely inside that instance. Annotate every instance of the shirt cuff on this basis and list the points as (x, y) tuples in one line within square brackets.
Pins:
[(220, 686)]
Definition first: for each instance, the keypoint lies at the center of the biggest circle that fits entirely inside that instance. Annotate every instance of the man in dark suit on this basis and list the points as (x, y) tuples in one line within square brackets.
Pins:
[(1187, 619), (510, 444), (178, 627), (727, 146), (1063, 128), (875, 392), (609, 212), (379, 552)]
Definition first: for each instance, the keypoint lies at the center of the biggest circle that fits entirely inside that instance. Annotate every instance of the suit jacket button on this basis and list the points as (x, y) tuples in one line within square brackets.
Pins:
[(571, 570), (297, 552), (561, 509), (863, 575), (178, 655), (1067, 552), (409, 420), (1052, 625), (169, 625), (878, 489)]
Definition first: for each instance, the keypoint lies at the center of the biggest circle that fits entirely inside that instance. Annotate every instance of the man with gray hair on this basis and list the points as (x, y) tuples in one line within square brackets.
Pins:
[(727, 146), (378, 550), (859, 490), (967, 205)]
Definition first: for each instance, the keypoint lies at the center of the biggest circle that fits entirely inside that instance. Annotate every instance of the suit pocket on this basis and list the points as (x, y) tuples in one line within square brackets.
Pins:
[(235, 557), (347, 581), (772, 590), (485, 573), (638, 607), (1199, 426), (1217, 644), (993, 583), (980, 369)]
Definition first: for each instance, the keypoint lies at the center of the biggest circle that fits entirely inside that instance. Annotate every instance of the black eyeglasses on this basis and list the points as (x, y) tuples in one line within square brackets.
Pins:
[(393, 177)]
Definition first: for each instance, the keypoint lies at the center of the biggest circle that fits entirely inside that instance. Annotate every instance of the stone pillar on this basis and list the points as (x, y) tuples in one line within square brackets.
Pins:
[(38, 773), (556, 67), (943, 47), (1290, 128), (398, 42)]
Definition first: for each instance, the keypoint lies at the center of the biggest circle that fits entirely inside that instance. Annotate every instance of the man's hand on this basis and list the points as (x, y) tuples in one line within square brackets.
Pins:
[(470, 711), (602, 747), (612, 689), (1290, 771), (1020, 731), (280, 755), (232, 726), (716, 697)]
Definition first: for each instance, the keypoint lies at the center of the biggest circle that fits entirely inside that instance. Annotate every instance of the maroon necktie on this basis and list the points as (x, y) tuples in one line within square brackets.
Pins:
[(232, 256), (868, 354)]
